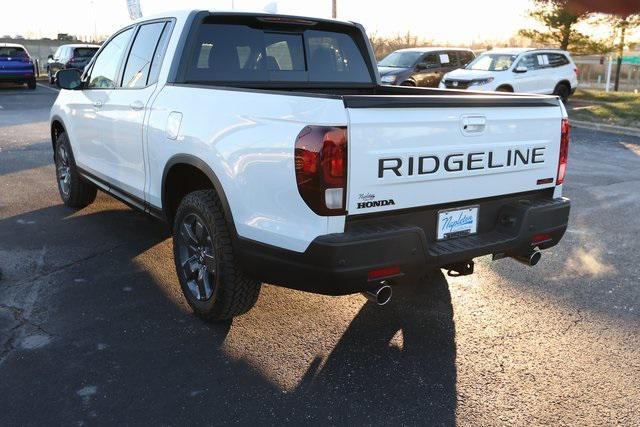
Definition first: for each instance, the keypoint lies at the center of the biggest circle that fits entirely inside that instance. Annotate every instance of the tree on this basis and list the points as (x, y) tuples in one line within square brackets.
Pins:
[(622, 24), (560, 20)]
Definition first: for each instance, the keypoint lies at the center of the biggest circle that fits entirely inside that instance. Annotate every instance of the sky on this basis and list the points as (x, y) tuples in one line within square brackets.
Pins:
[(475, 20)]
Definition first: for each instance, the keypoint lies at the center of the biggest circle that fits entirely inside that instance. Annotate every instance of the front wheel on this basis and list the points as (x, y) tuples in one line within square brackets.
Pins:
[(208, 270), (74, 190), (31, 84)]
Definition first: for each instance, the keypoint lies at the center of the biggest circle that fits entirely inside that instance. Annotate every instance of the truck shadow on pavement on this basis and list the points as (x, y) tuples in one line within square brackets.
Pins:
[(118, 344)]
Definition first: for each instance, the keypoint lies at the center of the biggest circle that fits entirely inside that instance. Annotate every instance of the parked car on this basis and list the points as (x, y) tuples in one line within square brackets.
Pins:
[(16, 65), (423, 66), (543, 71), (269, 145), (75, 56)]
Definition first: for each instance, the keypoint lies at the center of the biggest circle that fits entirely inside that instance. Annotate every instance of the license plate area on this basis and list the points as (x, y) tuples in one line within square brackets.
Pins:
[(457, 222)]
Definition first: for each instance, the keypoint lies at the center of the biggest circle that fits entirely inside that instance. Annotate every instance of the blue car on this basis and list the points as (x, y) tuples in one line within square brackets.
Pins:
[(16, 66)]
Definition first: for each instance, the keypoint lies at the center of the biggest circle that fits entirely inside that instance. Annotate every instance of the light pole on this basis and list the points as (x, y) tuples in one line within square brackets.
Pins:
[(334, 9)]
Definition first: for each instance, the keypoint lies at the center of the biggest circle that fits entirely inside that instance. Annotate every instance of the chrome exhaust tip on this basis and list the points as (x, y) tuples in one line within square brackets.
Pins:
[(529, 259), (380, 295)]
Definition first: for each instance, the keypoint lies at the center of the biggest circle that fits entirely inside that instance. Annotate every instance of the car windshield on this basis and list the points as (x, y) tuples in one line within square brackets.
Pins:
[(84, 52), (400, 59), (12, 52), (492, 62)]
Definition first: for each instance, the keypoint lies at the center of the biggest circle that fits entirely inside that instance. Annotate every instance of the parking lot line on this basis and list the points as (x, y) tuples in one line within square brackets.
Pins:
[(47, 87)]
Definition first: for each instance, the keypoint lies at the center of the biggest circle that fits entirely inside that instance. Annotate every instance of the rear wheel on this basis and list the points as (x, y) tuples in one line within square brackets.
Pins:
[(504, 89), (408, 83), (210, 277), (563, 91), (75, 191), (31, 84)]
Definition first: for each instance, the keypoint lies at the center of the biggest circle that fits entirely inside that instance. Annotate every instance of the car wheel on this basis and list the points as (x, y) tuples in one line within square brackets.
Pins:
[(563, 91), (31, 84), (75, 191), (52, 80), (210, 277), (504, 89), (408, 83)]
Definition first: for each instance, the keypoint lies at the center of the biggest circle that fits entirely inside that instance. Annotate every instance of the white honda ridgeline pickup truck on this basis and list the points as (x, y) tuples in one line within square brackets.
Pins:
[(270, 146)]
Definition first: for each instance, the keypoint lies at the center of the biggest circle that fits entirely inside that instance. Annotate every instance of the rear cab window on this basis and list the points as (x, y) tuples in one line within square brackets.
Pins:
[(245, 50)]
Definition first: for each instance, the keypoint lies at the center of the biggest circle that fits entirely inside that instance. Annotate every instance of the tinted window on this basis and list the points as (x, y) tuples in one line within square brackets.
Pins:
[(15, 52), (237, 53), (431, 60), (84, 52), (557, 59), (105, 67), (465, 57), (404, 59), (136, 71)]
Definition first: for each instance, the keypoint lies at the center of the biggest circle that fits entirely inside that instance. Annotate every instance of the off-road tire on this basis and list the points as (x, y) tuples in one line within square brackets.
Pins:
[(233, 292), (81, 192)]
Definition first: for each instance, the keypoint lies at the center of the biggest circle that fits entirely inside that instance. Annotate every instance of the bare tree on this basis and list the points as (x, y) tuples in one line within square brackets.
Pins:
[(560, 19)]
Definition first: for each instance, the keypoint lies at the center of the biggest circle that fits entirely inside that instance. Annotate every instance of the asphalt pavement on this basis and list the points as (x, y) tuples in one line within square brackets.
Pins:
[(94, 330)]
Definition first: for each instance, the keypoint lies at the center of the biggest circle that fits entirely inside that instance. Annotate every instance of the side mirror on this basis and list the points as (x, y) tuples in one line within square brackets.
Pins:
[(69, 79), (520, 69)]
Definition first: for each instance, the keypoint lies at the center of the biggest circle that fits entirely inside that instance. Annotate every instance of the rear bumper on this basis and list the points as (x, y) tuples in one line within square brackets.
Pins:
[(338, 264)]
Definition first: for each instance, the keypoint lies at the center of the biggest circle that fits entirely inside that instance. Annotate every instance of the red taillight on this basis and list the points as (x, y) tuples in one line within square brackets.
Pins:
[(564, 151), (541, 238), (321, 168), (383, 273)]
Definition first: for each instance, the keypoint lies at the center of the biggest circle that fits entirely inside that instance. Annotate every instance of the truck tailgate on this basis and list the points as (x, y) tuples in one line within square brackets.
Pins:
[(418, 154)]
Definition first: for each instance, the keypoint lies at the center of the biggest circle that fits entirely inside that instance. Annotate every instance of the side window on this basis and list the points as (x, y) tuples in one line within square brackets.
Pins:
[(156, 63), (431, 61), (465, 58), (528, 61), (58, 52), (136, 72), (105, 68), (557, 60), (543, 60)]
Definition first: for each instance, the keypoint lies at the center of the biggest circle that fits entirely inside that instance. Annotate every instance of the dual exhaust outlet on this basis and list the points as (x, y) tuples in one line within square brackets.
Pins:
[(381, 294)]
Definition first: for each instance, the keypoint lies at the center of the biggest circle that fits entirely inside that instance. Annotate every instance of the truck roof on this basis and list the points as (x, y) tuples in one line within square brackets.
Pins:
[(183, 14)]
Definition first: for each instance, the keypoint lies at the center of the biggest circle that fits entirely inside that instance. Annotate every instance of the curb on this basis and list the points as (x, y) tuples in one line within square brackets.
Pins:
[(620, 130)]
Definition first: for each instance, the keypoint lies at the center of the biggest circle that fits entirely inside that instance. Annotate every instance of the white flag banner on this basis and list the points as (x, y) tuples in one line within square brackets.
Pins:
[(134, 9)]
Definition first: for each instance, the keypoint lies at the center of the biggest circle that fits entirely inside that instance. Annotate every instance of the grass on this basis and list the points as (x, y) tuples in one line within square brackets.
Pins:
[(614, 108)]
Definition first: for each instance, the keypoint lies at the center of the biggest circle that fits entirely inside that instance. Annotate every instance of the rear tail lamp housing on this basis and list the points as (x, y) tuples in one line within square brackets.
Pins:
[(564, 151), (321, 168)]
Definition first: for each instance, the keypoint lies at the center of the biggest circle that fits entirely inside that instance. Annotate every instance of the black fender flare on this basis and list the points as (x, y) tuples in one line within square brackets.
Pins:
[(198, 163)]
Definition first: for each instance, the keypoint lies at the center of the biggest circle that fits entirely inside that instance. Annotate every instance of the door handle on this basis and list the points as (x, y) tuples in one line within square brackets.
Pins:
[(473, 124), (136, 105), (97, 104)]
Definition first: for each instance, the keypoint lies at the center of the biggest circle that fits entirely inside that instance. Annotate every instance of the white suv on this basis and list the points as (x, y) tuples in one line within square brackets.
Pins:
[(543, 71)]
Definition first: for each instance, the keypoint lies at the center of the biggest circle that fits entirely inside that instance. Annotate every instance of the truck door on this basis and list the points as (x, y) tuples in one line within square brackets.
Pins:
[(123, 114)]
